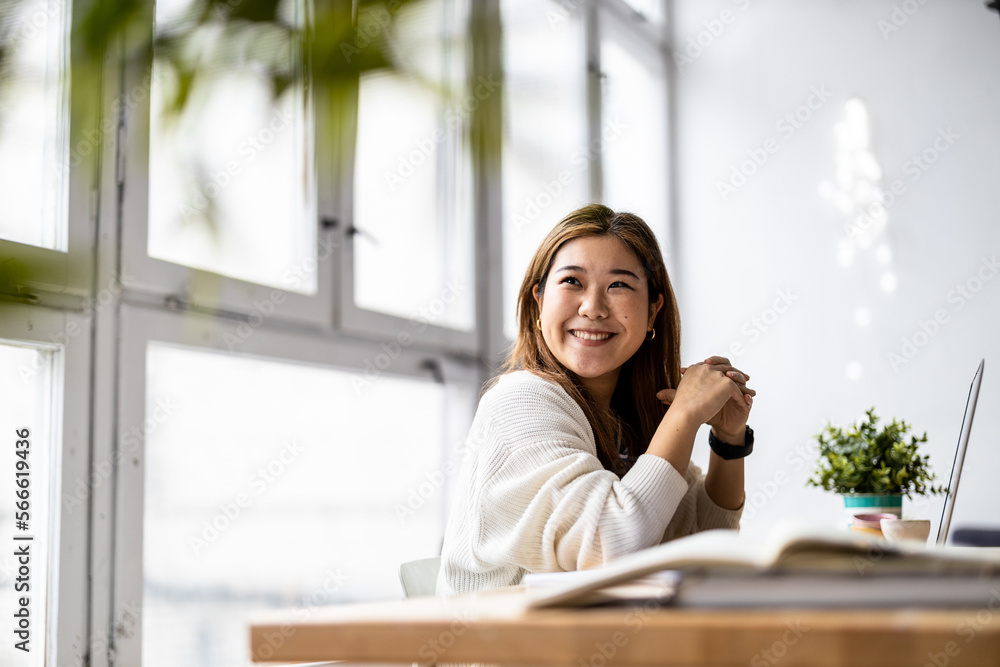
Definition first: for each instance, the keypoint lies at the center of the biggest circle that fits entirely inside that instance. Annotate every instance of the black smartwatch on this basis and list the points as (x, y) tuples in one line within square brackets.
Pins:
[(730, 452)]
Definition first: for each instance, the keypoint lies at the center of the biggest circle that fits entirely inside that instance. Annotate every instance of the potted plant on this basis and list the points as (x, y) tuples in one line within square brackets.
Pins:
[(873, 469)]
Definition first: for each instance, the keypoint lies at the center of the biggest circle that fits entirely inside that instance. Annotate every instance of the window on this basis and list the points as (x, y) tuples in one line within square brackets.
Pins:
[(633, 137), (411, 234), (573, 132), (257, 330), (220, 204), (33, 127), (45, 470), (26, 526), (259, 497), (231, 179), (547, 162)]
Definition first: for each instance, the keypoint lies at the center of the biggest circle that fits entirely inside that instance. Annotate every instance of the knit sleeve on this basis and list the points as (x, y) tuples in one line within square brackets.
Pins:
[(545, 502), (697, 511)]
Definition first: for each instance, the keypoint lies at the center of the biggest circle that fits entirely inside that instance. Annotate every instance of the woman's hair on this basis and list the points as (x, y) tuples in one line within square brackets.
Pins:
[(635, 410)]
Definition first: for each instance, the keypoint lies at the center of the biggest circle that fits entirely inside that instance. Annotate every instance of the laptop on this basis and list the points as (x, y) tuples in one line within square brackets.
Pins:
[(956, 466)]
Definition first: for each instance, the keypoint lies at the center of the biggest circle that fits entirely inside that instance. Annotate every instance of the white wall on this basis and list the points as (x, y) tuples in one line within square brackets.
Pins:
[(940, 69)]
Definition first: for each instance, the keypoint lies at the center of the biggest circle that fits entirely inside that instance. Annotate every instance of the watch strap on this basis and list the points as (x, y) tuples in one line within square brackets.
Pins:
[(731, 452)]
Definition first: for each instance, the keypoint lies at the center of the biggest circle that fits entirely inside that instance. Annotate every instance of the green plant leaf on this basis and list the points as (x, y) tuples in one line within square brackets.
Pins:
[(865, 459)]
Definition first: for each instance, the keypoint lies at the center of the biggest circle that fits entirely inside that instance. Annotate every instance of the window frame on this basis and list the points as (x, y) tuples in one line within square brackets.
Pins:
[(142, 325), (67, 591), (63, 278), (195, 288), (617, 22), (360, 321), (100, 576)]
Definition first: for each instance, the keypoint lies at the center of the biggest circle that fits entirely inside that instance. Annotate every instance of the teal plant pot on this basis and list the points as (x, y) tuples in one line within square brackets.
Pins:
[(872, 503)]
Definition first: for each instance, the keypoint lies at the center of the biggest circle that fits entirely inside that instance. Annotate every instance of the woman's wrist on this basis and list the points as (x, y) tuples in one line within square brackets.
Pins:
[(737, 437)]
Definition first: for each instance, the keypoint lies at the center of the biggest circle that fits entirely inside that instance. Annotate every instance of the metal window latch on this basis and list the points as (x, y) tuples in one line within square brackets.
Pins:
[(432, 366)]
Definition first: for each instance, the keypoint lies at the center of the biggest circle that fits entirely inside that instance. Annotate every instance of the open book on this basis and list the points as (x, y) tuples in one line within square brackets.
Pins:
[(793, 558)]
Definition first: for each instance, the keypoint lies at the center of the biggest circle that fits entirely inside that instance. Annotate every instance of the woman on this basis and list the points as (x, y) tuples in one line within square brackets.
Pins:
[(574, 457)]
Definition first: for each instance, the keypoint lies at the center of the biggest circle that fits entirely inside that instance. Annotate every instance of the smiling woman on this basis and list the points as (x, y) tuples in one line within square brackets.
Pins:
[(576, 458)]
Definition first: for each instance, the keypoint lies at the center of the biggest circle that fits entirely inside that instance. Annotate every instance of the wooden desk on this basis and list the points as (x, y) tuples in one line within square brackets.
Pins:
[(491, 627)]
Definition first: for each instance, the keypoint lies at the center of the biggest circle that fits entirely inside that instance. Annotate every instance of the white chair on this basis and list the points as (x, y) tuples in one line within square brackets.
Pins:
[(419, 577)]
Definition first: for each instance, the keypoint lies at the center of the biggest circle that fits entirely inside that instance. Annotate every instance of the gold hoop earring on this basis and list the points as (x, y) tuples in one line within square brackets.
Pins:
[(538, 323), (652, 331)]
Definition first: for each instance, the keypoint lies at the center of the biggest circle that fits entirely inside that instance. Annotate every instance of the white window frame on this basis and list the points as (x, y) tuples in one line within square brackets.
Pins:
[(141, 326), (99, 580), (57, 278), (369, 323), (68, 540), (616, 21), (187, 287)]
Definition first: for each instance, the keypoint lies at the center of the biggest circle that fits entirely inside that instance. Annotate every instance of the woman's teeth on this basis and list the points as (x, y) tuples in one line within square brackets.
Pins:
[(591, 336)]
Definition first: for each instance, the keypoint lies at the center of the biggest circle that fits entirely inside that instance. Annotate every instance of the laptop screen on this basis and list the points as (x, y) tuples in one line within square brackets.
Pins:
[(956, 465)]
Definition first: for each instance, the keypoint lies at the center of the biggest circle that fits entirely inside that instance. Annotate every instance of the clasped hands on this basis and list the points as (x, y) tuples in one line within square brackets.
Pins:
[(714, 392)]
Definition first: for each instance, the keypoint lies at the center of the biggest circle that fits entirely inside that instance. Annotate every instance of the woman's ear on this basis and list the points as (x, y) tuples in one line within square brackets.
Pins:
[(654, 308), (538, 299)]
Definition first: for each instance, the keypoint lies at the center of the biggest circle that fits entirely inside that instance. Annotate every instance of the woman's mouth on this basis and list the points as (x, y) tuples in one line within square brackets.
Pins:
[(591, 335)]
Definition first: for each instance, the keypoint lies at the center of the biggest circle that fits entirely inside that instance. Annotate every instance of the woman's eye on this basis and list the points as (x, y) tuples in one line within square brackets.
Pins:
[(619, 283), (569, 279)]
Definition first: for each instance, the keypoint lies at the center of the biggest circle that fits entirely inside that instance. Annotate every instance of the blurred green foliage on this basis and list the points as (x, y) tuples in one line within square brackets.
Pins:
[(324, 45), (864, 459)]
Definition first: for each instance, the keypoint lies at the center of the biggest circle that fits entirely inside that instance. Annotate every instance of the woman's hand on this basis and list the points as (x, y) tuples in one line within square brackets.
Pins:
[(714, 392)]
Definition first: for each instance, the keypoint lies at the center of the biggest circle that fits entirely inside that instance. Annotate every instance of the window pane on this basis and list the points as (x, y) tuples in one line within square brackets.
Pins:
[(412, 183), (651, 10), (546, 160), (276, 485), (635, 160), (230, 178), (26, 377), (33, 148)]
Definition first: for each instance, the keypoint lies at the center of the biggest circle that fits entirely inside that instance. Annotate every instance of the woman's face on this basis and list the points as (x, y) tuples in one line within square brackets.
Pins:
[(595, 308)]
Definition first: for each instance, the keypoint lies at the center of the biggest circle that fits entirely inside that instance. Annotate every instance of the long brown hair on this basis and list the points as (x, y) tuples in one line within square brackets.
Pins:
[(635, 410)]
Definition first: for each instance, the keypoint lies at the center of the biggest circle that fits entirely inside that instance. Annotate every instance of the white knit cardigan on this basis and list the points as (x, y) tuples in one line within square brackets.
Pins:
[(532, 495)]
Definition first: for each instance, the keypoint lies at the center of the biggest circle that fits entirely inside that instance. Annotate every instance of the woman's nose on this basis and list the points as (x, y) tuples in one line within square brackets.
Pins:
[(594, 305)]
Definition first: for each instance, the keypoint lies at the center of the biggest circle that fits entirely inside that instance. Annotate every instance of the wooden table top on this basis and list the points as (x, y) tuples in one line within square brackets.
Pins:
[(496, 627)]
